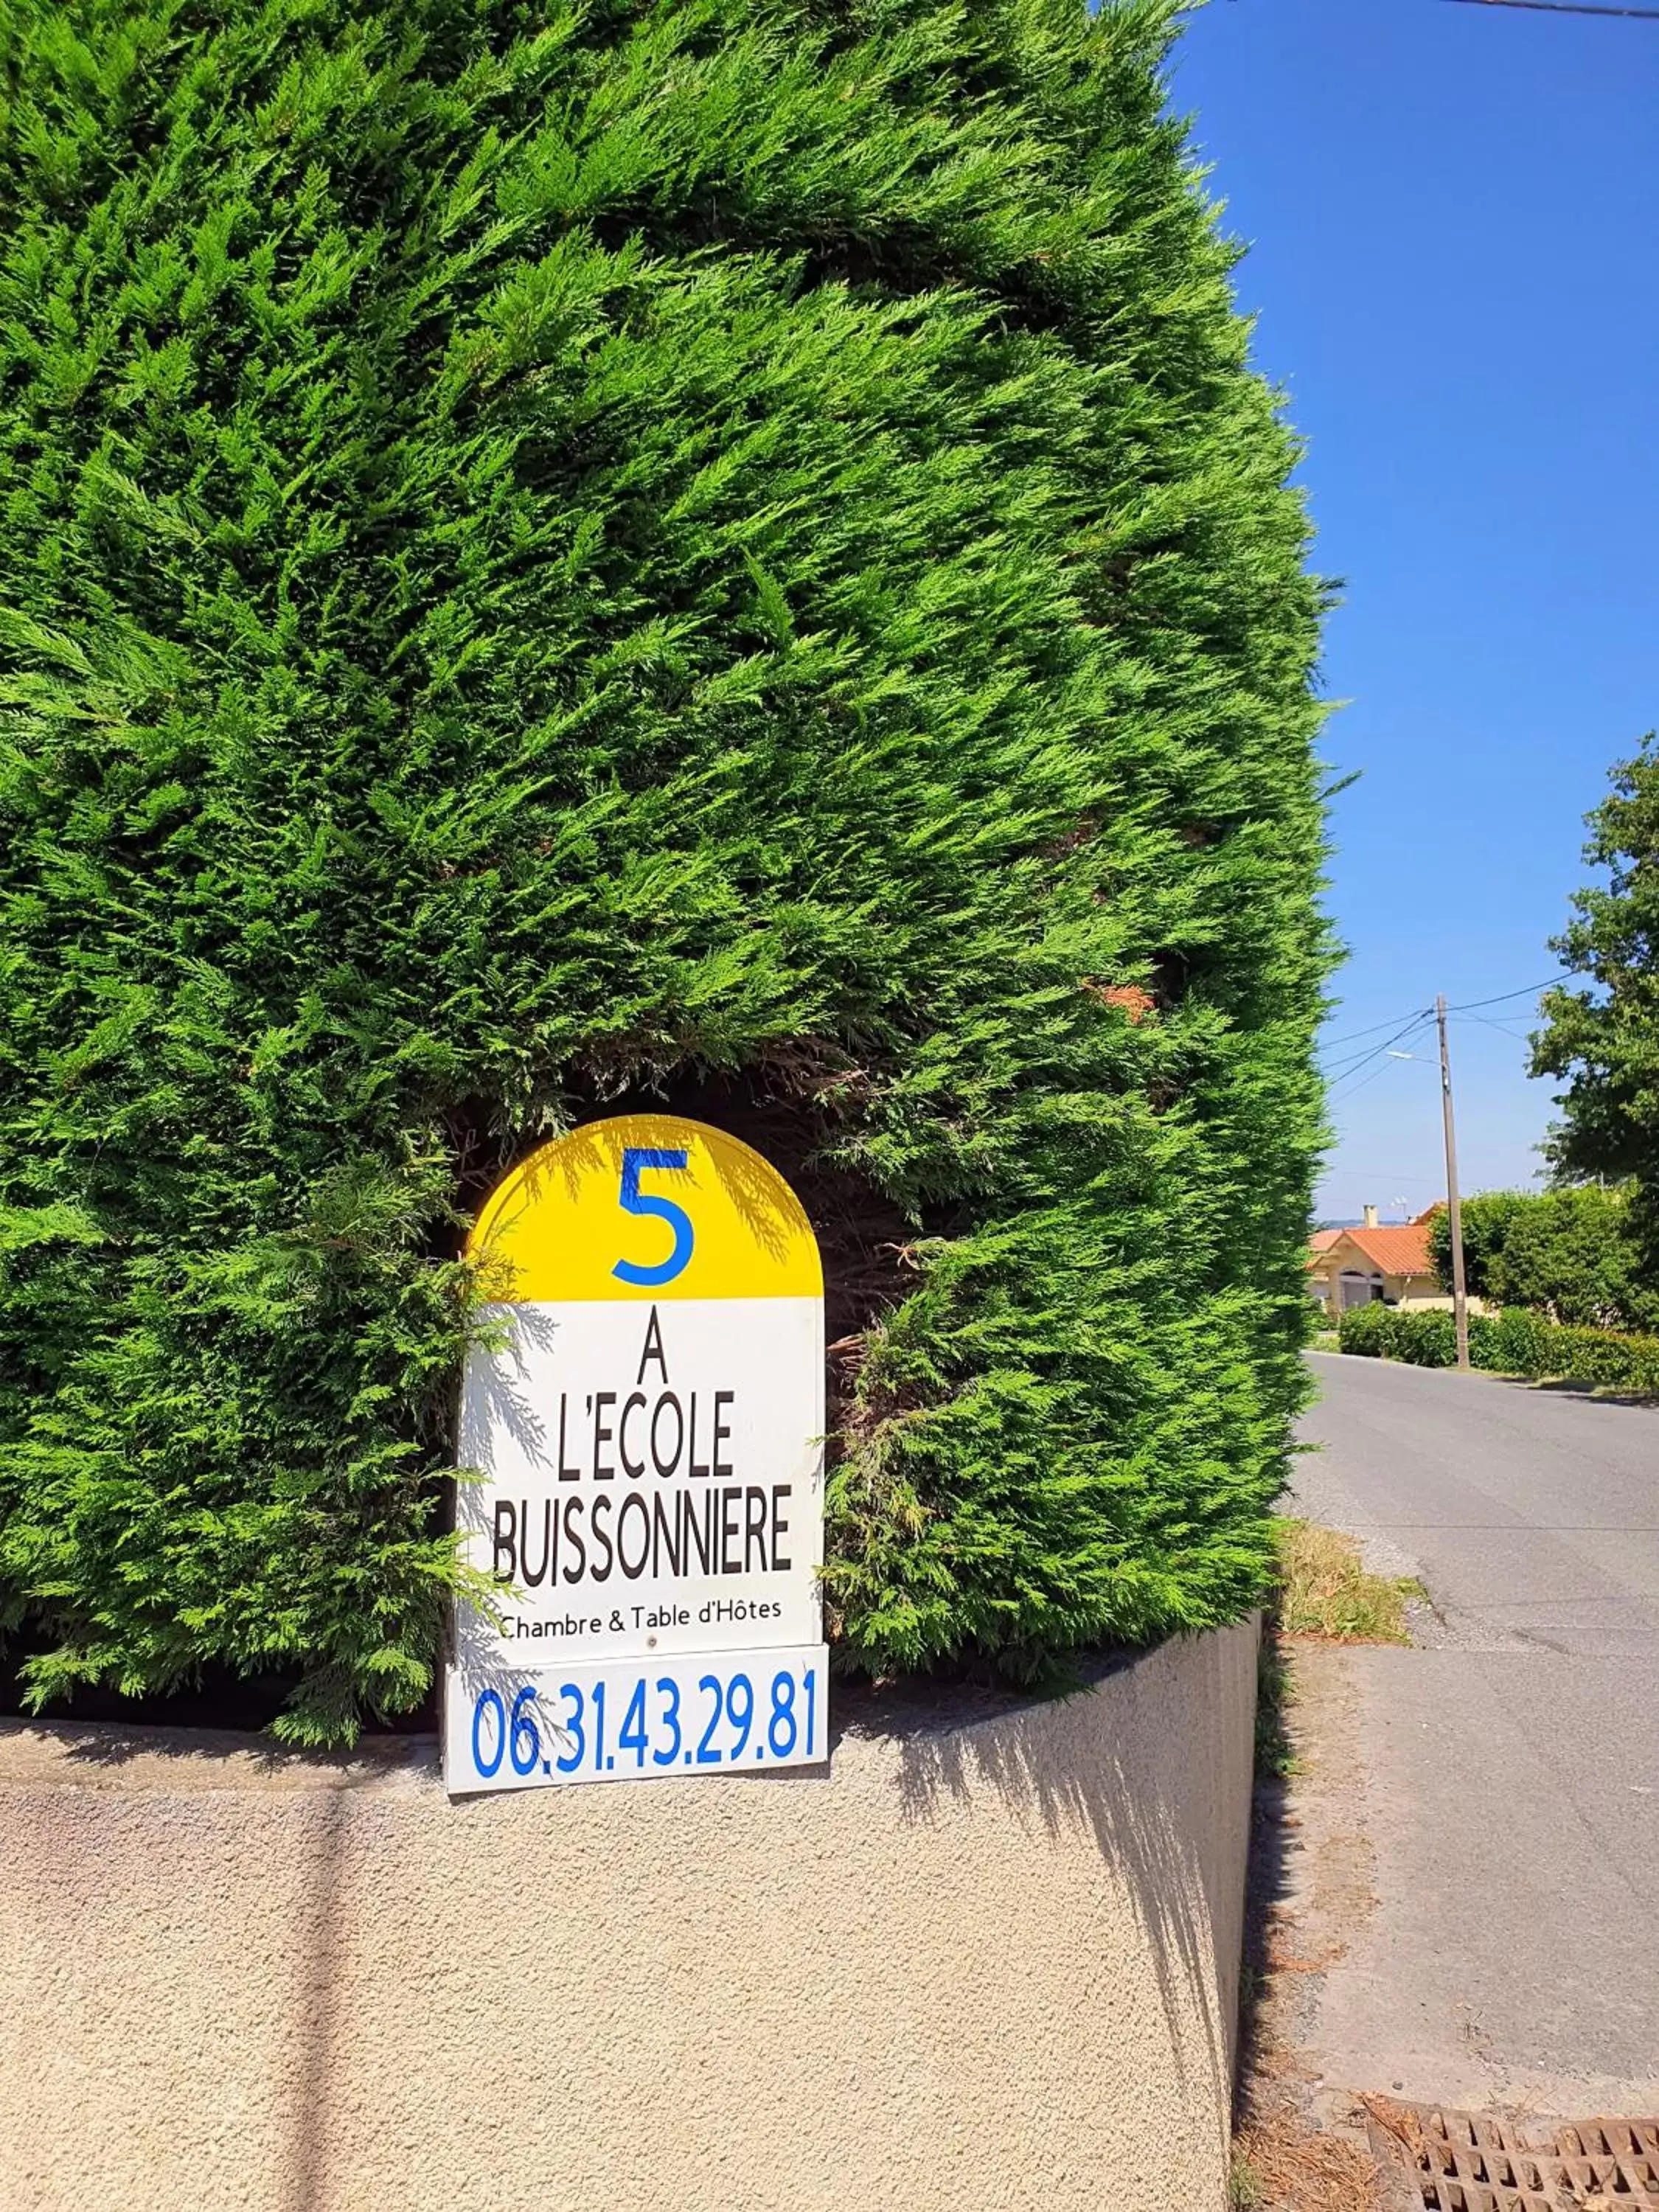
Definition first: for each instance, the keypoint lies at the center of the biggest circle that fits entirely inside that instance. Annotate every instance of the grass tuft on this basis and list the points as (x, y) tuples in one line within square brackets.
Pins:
[(1275, 1755), (1325, 1590), (1243, 2187)]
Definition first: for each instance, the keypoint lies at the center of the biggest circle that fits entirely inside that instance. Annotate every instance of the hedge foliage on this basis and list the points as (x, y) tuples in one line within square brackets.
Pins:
[(1486, 1219), (551, 555), (1514, 1342), (1571, 1254)]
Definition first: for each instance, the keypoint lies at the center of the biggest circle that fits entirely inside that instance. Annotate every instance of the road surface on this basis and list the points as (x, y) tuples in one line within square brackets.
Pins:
[(1481, 1850)]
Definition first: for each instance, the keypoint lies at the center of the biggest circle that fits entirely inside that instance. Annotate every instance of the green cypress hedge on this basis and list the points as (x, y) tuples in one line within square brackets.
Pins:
[(552, 557)]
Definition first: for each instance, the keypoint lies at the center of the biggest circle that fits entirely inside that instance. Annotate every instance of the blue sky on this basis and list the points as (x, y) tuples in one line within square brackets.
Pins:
[(1452, 213)]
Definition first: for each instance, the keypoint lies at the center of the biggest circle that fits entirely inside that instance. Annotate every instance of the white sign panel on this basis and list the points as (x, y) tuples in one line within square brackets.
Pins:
[(651, 1453), (654, 1483)]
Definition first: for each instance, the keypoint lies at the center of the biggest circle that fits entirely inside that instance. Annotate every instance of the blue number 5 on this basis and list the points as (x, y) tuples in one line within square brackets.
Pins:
[(633, 1200)]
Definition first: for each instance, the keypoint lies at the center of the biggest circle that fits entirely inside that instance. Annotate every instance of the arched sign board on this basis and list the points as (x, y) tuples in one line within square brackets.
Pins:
[(645, 1407)]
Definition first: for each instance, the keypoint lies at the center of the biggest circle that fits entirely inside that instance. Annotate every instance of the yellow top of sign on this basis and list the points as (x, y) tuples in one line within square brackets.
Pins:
[(645, 1207)]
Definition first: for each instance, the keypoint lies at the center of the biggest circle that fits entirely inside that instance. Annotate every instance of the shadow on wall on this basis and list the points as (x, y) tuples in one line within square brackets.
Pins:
[(1188, 1899), (321, 1936)]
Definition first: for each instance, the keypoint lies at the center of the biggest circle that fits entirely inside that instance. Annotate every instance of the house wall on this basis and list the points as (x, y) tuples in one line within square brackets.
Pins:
[(1432, 1299), (986, 1961), (1327, 1277), (1412, 1293)]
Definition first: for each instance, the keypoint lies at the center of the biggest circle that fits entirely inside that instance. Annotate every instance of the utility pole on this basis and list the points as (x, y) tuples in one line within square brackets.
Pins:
[(1460, 1296)]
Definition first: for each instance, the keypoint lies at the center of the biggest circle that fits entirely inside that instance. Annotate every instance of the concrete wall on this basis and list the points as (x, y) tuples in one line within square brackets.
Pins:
[(986, 1962)]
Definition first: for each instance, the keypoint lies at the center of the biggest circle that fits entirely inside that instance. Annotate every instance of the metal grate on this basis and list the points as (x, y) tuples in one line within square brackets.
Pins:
[(1467, 2163)]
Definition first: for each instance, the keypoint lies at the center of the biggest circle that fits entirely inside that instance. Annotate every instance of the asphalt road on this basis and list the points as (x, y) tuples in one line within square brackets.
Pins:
[(1492, 1795)]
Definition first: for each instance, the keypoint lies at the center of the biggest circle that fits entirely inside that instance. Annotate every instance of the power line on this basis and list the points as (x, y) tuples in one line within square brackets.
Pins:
[(1354, 1090), (1339, 1073), (1353, 1035), (1487, 1023), (1562, 976), (1338, 1076), (1564, 8), (1377, 1052), (1374, 1176), (1335, 1070)]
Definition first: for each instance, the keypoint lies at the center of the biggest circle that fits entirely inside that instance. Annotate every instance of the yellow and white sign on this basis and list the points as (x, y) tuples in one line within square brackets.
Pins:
[(646, 1413)]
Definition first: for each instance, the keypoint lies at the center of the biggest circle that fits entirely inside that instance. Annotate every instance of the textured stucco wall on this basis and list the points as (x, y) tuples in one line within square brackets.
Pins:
[(979, 1965)]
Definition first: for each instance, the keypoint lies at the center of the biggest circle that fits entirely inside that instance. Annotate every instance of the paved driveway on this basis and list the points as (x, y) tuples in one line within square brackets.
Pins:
[(1490, 1800)]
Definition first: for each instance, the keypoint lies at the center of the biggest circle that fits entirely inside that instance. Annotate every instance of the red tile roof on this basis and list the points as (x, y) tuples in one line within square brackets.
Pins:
[(1395, 1251), (1322, 1239)]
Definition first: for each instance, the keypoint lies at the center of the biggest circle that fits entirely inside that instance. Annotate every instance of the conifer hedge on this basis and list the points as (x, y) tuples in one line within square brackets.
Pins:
[(552, 557)]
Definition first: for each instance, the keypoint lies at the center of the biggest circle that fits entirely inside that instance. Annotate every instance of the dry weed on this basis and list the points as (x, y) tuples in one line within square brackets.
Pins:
[(1325, 1590)]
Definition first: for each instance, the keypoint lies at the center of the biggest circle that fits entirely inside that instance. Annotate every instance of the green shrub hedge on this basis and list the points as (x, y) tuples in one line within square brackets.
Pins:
[(557, 558), (1514, 1342), (1571, 1254), (1365, 1330)]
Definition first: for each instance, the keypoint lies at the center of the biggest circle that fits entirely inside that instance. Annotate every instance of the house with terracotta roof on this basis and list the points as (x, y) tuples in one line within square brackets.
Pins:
[(1352, 1266)]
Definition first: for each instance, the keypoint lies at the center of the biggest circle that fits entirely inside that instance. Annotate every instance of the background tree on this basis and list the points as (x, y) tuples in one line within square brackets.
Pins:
[(1485, 1218), (1567, 1253), (559, 558), (1604, 1039)]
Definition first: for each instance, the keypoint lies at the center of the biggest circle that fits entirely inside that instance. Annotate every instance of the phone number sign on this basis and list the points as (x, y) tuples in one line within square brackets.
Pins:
[(645, 1412)]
